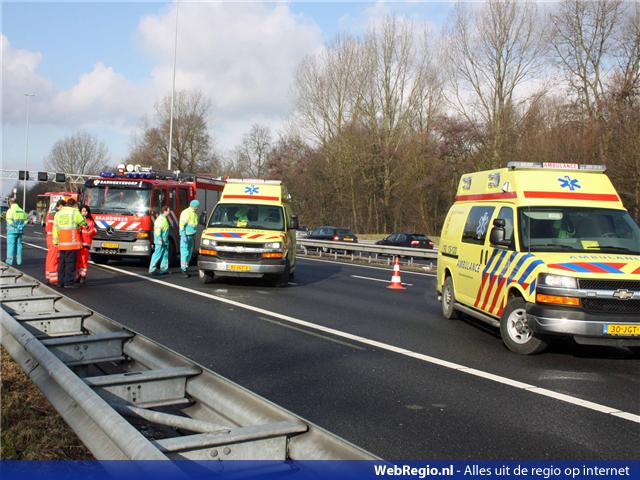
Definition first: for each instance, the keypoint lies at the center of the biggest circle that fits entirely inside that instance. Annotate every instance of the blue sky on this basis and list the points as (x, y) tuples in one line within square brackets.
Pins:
[(99, 67)]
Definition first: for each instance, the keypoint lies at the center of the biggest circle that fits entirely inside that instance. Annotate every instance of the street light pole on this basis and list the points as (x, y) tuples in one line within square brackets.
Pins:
[(173, 88), (26, 153)]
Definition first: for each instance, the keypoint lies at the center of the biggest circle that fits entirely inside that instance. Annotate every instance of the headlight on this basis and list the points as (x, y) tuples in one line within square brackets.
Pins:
[(273, 245), (209, 243), (558, 281)]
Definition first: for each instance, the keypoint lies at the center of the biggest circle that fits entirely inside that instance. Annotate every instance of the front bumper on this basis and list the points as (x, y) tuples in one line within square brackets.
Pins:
[(585, 328), (137, 248), (239, 268)]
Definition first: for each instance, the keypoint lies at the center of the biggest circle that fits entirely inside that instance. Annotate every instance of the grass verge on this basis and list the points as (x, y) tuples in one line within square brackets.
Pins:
[(31, 428)]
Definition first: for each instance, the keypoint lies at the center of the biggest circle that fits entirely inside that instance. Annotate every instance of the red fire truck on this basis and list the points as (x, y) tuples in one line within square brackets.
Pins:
[(125, 202)]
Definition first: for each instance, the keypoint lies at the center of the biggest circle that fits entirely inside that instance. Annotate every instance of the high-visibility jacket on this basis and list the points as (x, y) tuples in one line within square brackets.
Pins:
[(87, 233), (65, 228), (188, 222), (16, 219), (161, 229)]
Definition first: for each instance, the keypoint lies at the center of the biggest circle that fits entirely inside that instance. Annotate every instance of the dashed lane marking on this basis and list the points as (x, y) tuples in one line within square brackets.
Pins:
[(597, 407)]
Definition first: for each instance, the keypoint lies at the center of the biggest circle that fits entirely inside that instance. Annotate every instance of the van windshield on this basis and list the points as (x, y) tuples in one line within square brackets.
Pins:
[(259, 217), (578, 229)]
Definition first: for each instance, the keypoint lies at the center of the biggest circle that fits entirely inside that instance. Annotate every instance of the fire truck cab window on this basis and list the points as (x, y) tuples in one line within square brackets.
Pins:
[(158, 200), (172, 199), (184, 198)]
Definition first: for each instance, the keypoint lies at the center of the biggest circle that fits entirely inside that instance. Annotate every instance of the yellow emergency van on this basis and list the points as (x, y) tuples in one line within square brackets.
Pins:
[(541, 250), (250, 233)]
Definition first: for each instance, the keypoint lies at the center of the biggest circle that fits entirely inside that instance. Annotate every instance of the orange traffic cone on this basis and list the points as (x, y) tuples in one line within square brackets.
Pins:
[(396, 283)]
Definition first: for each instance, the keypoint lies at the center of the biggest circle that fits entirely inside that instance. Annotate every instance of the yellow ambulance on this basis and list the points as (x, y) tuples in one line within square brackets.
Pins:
[(542, 250), (250, 233)]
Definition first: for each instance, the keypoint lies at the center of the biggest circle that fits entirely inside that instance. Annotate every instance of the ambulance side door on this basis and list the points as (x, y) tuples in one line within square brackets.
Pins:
[(500, 259), (472, 254)]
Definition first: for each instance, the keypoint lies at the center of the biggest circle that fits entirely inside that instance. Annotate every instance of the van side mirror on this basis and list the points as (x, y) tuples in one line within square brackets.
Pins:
[(496, 237), (294, 223), (203, 218)]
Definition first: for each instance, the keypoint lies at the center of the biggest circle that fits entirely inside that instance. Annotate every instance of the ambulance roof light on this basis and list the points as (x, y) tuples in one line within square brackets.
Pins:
[(254, 180), (555, 166)]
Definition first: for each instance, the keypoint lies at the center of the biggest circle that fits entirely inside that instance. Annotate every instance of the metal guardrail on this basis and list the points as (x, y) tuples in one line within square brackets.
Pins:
[(96, 372), (329, 246)]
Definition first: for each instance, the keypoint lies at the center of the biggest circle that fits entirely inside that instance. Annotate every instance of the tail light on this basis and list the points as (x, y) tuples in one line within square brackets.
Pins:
[(415, 243), (336, 238)]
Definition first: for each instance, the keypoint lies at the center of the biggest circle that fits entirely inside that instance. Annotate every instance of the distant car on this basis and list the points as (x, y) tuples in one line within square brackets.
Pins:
[(335, 234), (302, 232), (412, 240)]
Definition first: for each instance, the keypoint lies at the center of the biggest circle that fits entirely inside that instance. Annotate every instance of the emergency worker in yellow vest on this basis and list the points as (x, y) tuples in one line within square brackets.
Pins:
[(16, 219), (188, 230), (67, 237)]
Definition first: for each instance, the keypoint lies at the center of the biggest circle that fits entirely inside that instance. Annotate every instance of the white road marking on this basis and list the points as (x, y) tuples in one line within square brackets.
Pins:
[(597, 407), (379, 280), (364, 266)]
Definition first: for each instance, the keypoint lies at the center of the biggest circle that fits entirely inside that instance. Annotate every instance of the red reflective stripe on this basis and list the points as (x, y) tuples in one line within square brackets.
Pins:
[(497, 294), (251, 197), (488, 294), (591, 267), (479, 295), (486, 196), (596, 197), (561, 267), (636, 271)]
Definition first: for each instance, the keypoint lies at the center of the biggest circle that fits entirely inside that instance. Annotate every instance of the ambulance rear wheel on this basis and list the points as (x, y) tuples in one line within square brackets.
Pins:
[(205, 276), (515, 332), (100, 259), (448, 300)]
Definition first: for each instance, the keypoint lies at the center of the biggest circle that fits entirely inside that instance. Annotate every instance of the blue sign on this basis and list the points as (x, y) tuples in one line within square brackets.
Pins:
[(252, 190)]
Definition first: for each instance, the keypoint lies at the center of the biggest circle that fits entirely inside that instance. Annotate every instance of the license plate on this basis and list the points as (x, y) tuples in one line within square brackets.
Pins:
[(348, 239), (621, 329), (239, 268), (110, 245)]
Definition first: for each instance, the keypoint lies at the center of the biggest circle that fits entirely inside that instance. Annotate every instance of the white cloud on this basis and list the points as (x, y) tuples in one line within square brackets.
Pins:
[(101, 97), (19, 76), (242, 56)]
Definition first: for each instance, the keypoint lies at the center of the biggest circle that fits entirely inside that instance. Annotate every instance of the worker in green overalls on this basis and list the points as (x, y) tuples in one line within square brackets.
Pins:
[(16, 219), (161, 244), (188, 230)]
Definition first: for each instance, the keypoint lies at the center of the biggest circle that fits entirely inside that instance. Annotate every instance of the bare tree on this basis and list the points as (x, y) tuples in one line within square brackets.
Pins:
[(628, 55), (583, 39), (251, 155), (401, 99), (329, 87), (81, 153), (192, 144), (491, 53)]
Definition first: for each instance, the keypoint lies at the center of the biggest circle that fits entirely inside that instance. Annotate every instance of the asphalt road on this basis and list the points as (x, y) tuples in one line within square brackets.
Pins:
[(369, 364)]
